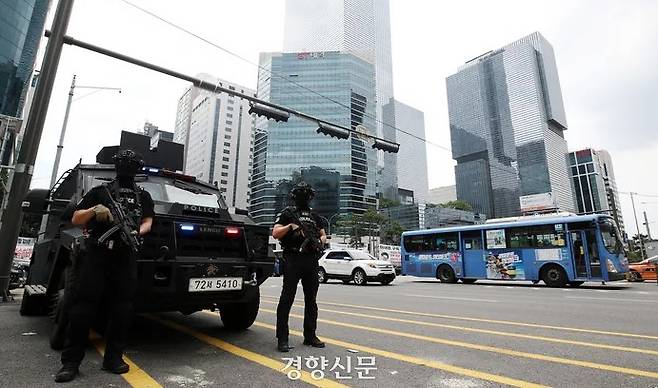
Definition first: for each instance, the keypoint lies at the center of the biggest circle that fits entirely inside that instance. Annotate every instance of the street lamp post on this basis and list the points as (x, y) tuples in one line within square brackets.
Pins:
[(62, 134), (329, 222)]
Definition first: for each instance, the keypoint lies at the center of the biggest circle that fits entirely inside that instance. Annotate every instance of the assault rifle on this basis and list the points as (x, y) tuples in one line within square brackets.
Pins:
[(312, 242), (125, 226)]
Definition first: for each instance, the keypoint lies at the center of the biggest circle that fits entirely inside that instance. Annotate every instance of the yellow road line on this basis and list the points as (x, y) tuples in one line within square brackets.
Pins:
[(493, 332), (492, 349), (244, 353), (418, 361), (136, 376), (471, 319)]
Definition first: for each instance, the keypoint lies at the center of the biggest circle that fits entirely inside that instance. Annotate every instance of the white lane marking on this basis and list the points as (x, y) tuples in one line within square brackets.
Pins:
[(642, 292), (603, 290), (452, 298), (566, 290), (614, 299)]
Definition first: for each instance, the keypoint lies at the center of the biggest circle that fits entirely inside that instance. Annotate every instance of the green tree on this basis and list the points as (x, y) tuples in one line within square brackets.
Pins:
[(391, 232), (459, 205)]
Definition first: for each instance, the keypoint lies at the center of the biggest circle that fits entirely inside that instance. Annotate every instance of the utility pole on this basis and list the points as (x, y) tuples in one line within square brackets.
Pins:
[(646, 223), (12, 217), (637, 225), (62, 134)]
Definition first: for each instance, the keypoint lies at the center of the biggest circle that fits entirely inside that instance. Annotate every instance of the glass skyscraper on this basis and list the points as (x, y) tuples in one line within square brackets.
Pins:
[(21, 29), (359, 27), (506, 123), (290, 151), (594, 183)]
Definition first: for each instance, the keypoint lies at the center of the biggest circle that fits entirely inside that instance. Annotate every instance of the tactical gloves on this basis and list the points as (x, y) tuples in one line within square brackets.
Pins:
[(102, 214)]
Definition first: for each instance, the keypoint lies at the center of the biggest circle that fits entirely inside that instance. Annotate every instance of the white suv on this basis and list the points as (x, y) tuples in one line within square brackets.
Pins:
[(352, 264)]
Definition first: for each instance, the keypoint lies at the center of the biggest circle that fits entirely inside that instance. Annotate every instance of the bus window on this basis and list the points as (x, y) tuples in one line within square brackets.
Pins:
[(543, 236), (419, 243), (447, 242)]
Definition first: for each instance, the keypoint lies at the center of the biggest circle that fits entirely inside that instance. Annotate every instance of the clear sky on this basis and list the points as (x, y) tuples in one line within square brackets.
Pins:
[(606, 55)]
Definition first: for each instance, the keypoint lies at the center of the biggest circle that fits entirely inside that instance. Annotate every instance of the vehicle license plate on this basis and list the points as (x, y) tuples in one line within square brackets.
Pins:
[(214, 284)]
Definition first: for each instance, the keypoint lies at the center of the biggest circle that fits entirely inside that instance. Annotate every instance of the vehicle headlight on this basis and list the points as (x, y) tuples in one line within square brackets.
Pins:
[(372, 266), (611, 266)]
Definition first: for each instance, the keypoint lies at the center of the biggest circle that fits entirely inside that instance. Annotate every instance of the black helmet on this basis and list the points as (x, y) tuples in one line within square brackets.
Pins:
[(302, 190), (128, 163)]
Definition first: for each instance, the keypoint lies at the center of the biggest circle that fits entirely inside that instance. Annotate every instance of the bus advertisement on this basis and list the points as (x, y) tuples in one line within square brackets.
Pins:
[(558, 250)]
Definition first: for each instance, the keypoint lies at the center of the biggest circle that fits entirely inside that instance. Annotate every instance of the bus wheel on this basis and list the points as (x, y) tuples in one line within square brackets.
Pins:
[(554, 276), (469, 281), (445, 274)]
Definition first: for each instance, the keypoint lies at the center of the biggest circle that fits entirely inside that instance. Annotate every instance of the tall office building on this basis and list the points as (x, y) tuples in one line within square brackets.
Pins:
[(218, 134), (506, 124), (443, 194), (359, 27), (411, 163), (594, 183), (287, 152), (21, 30)]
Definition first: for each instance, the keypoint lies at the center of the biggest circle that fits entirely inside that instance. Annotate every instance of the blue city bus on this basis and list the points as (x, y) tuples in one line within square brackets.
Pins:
[(559, 250)]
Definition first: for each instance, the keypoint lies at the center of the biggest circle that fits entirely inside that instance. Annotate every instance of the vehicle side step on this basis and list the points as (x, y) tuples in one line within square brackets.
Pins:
[(34, 289), (34, 301)]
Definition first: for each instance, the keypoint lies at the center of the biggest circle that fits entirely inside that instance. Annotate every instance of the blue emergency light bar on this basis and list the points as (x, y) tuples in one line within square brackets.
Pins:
[(189, 228)]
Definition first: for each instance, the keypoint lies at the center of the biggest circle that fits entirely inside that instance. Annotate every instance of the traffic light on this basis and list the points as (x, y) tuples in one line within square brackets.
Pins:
[(386, 146), (333, 131), (269, 112)]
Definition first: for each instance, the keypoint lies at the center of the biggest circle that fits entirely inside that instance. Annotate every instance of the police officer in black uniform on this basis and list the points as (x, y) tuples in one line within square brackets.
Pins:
[(302, 236), (105, 270)]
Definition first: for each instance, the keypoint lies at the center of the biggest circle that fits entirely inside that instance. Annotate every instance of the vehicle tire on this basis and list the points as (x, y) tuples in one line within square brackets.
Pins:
[(554, 276), (469, 281), (346, 281), (576, 284), (322, 275), (634, 276), (445, 274), (240, 316), (359, 277), (60, 319)]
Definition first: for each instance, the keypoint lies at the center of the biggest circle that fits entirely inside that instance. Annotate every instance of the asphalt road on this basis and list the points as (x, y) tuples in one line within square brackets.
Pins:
[(415, 332)]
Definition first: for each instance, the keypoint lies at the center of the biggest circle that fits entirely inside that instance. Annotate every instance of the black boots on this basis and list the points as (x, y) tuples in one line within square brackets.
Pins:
[(283, 346), (66, 373), (314, 341), (117, 366)]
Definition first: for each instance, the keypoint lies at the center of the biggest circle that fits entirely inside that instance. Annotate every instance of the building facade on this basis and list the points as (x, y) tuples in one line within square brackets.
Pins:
[(420, 216), (21, 30), (594, 184), (218, 134), (411, 164), (151, 130), (507, 126), (443, 194), (361, 28), (284, 150)]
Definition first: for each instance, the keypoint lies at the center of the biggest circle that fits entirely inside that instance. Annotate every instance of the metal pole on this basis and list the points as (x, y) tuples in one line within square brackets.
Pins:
[(12, 217), (60, 146), (58, 155), (216, 88), (646, 223), (637, 225)]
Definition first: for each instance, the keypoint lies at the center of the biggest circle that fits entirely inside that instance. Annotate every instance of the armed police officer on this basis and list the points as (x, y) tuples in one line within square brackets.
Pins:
[(302, 236), (114, 216)]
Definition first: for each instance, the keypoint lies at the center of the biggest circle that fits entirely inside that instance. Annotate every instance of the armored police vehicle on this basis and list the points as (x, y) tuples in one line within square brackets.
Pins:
[(200, 254)]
